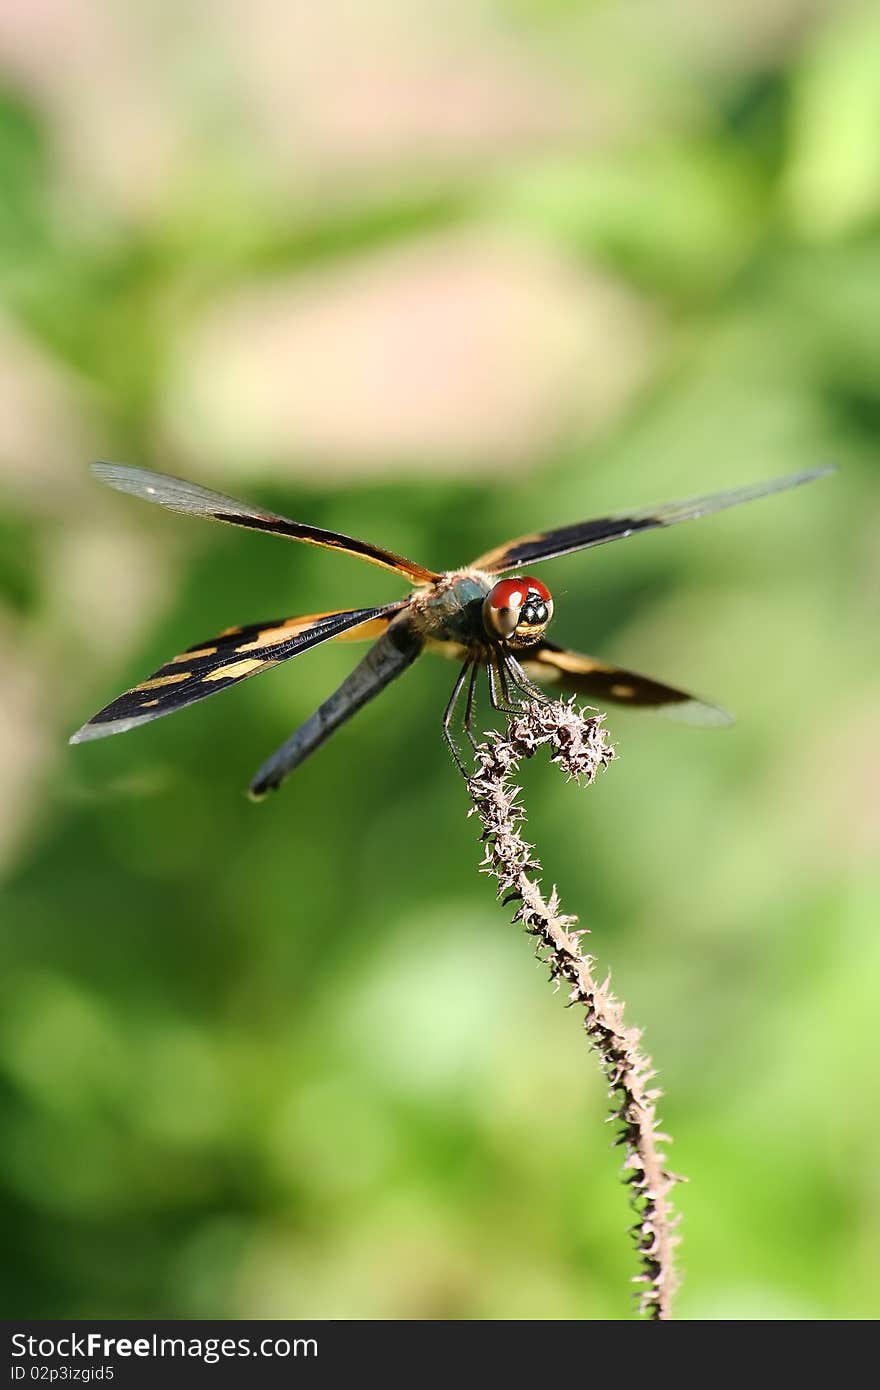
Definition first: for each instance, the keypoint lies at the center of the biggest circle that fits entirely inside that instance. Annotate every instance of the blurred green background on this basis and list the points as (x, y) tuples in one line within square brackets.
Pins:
[(435, 283)]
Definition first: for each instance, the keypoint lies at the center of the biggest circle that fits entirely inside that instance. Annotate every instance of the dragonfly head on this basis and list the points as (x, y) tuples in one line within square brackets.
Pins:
[(517, 611)]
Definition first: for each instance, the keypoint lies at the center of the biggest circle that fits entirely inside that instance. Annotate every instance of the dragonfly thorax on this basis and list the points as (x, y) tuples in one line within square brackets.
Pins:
[(517, 611)]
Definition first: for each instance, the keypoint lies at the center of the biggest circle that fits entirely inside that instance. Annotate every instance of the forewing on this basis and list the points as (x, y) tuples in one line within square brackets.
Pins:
[(222, 661), (547, 545), (366, 631), (189, 498), (600, 681)]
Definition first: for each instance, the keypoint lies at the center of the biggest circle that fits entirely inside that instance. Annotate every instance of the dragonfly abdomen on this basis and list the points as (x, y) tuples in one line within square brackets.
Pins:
[(388, 658)]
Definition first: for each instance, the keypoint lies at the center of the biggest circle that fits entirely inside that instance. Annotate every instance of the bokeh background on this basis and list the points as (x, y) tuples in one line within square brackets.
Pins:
[(435, 277)]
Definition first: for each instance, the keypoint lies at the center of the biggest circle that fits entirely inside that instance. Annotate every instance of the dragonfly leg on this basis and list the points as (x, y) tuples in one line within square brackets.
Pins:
[(470, 704), (498, 685), (450, 711), (523, 682), (505, 683), (492, 673), (493, 687)]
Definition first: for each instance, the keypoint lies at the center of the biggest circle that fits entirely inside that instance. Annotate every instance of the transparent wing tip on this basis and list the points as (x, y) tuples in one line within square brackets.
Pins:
[(811, 474), (124, 478), (89, 732), (85, 734), (697, 713)]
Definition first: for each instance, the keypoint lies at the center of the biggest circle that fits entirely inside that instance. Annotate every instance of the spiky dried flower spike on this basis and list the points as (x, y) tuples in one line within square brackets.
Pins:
[(578, 743)]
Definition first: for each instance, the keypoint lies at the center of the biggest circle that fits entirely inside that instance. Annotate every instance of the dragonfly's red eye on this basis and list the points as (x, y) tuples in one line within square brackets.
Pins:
[(535, 587), (509, 593), (517, 611)]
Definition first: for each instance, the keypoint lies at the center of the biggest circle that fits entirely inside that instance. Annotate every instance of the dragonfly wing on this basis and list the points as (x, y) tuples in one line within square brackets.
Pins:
[(547, 545), (584, 675), (192, 500), (222, 661), (366, 631)]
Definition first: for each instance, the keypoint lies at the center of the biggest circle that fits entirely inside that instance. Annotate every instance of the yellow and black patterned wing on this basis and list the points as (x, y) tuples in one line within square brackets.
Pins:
[(192, 500), (547, 545), (222, 661), (600, 681)]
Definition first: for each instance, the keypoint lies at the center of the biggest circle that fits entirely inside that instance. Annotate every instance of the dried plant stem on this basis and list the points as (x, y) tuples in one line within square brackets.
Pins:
[(578, 742)]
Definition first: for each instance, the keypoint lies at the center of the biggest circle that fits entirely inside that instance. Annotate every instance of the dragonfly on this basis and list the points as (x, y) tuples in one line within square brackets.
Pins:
[(490, 616)]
